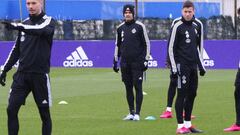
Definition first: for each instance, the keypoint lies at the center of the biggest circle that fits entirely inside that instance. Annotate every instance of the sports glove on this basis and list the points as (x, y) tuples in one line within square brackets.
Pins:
[(12, 26), (3, 78), (145, 65), (115, 66), (176, 73), (202, 72)]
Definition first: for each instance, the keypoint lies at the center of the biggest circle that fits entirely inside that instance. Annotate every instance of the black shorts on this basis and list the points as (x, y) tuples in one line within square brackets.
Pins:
[(132, 72), (188, 77), (237, 81), (24, 83)]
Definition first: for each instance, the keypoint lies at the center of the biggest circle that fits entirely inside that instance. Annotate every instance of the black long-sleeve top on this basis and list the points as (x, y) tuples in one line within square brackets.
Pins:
[(185, 44), (33, 45), (132, 42)]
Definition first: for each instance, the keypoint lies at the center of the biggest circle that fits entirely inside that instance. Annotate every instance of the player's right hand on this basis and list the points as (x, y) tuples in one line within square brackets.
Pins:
[(12, 26), (145, 65), (3, 78)]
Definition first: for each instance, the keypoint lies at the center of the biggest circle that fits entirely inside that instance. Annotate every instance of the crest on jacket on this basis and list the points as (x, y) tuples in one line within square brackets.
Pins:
[(187, 37), (22, 36), (134, 30), (122, 35)]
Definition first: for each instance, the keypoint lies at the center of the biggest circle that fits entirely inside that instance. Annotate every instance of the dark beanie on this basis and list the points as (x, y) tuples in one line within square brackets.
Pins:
[(128, 7)]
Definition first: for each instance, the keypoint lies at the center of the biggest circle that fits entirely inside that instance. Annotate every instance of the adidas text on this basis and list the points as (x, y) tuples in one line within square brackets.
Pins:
[(78, 58), (152, 63), (206, 60), (209, 63), (78, 63)]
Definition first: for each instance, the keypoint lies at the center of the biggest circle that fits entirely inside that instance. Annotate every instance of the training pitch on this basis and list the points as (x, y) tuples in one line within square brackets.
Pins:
[(97, 104)]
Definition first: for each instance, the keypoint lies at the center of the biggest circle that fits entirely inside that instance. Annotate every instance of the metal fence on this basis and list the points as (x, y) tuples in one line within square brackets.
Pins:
[(216, 27)]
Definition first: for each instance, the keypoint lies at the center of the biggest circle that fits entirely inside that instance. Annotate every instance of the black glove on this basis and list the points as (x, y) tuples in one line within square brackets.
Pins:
[(202, 72), (145, 65), (3, 78), (175, 75), (115, 66), (12, 26)]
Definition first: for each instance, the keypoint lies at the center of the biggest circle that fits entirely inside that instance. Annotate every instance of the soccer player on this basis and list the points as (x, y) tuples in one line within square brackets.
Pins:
[(33, 50), (133, 49), (236, 126), (185, 53), (172, 87)]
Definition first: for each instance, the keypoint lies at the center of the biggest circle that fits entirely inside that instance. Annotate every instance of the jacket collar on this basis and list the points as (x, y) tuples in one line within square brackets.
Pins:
[(130, 22), (188, 22), (36, 18)]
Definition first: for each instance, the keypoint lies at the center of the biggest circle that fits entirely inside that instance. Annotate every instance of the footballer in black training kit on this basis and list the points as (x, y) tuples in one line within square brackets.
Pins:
[(186, 59), (33, 51), (132, 50)]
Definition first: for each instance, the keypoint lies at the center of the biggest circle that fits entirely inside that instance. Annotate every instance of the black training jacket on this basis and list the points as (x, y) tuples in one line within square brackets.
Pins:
[(33, 45), (185, 45), (132, 42)]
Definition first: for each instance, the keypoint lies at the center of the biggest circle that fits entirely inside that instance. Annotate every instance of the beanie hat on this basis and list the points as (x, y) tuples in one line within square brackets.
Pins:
[(128, 7)]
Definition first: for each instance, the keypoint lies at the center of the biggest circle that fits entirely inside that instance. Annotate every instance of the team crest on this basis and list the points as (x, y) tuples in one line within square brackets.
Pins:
[(134, 31), (188, 40), (22, 36), (187, 37), (122, 35), (184, 79)]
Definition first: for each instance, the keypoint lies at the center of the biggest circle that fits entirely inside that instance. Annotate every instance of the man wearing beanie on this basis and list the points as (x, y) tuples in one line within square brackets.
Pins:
[(132, 51)]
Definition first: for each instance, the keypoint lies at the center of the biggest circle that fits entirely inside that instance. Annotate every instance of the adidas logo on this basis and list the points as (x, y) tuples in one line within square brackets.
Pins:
[(78, 58), (206, 59), (152, 63), (44, 102)]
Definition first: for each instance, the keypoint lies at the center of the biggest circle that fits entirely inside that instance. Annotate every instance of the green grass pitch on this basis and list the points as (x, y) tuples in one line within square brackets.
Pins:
[(97, 104)]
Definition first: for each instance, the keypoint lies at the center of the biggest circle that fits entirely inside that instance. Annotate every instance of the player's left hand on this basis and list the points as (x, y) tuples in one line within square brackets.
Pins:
[(12, 26), (202, 72), (145, 65), (3, 78)]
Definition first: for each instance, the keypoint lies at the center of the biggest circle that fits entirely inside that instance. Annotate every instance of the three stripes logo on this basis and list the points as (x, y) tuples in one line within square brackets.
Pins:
[(78, 58), (206, 59)]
